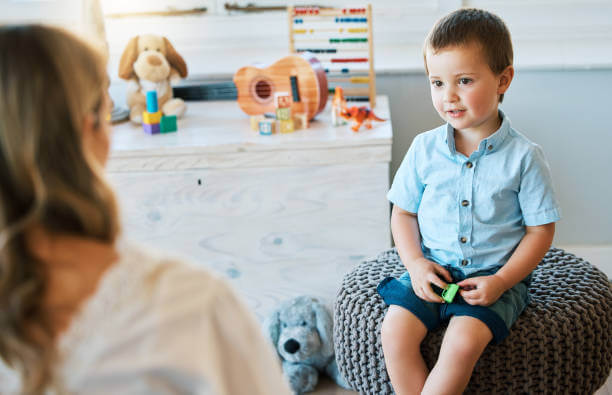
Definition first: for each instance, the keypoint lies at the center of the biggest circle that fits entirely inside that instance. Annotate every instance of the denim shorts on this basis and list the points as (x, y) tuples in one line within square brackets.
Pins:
[(499, 316)]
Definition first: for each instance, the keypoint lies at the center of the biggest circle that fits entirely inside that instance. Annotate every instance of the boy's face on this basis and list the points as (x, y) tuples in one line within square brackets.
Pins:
[(464, 90)]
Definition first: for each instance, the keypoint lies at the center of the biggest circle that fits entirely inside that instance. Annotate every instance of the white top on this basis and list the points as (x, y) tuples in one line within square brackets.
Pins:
[(158, 326)]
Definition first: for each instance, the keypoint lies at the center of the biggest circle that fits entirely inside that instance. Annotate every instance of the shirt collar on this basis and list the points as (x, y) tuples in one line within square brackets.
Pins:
[(486, 146)]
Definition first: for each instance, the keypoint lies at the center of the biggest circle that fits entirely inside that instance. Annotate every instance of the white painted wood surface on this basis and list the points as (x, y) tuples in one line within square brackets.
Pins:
[(218, 135), (278, 216)]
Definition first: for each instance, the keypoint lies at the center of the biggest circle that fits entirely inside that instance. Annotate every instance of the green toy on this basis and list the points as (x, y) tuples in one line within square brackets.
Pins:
[(168, 124), (449, 293)]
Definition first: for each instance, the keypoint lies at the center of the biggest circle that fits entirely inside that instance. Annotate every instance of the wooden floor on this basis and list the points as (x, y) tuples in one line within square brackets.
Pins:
[(598, 256)]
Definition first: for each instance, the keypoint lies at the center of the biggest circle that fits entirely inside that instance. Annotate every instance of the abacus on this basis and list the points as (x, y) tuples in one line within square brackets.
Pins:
[(341, 39)]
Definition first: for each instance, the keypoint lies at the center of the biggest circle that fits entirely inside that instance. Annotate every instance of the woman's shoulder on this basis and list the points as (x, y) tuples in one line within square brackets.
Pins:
[(153, 267), (144, 292), (156, 278), (148, 309)]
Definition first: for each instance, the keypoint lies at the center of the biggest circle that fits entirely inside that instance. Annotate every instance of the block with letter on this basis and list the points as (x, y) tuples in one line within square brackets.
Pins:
[(267, 127), (283, 114), (286, 126), (282, 100)]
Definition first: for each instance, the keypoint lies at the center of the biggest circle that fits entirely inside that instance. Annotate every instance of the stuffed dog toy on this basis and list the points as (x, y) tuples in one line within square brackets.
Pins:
[(150, 62), (301, 330)]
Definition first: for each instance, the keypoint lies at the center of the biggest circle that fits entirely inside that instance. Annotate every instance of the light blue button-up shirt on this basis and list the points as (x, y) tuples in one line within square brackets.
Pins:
[(472, 212)]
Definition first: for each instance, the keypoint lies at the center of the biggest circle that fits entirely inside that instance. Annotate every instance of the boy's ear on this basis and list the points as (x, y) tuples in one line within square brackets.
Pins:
[(505, 78)]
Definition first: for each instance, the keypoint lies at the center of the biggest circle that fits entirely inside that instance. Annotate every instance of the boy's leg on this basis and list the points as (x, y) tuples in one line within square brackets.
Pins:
[(464, 341), (401, 336)]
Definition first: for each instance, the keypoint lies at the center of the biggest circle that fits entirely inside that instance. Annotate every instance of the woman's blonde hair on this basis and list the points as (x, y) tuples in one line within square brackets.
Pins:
[(50, 82)]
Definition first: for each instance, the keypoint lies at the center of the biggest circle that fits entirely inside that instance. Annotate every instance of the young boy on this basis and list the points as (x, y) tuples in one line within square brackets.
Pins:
[(473, 205)]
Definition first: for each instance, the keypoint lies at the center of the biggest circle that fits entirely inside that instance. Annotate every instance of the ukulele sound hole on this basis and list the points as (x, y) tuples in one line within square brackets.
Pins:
[(263, 90)]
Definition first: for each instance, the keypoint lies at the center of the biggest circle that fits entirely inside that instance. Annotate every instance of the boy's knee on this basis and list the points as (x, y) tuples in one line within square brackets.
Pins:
[(388, 329), (401, 330), (465, 347)]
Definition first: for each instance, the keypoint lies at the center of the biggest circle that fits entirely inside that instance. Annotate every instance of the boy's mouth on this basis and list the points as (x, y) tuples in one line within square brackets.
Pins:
[(455, 113)]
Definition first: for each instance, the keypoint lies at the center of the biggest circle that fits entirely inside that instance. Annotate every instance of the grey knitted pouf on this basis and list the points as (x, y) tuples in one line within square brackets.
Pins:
[(561, 344)]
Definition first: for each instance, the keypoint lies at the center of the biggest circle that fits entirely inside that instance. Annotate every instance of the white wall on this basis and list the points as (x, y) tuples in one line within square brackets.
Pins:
[(566, 112)]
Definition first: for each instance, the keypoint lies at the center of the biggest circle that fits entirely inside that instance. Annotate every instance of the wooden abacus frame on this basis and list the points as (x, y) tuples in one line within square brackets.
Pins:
[(324, 39)]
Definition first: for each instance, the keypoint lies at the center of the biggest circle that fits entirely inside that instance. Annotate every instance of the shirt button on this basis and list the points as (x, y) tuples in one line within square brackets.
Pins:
[(465, 203), (468, 165), (464, 262), (463, 240)]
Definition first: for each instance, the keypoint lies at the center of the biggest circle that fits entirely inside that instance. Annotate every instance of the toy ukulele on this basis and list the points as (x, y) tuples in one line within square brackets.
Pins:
[(360, 115), (302, 75)]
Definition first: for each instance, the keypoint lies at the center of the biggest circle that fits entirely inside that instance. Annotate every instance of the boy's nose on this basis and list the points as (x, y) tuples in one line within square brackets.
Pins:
[(450, 96)]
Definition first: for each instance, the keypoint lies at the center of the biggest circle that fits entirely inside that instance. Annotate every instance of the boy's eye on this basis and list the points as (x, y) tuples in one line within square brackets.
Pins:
[(436, 83), (465, 81)]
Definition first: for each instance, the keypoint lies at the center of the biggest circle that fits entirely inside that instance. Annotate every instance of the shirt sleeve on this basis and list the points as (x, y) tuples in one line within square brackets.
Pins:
[(407, 189), (536, 194), (240, 359)]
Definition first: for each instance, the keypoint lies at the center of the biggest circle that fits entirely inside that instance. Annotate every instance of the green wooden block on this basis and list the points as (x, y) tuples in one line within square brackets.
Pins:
[(168, 124), (283, 114)]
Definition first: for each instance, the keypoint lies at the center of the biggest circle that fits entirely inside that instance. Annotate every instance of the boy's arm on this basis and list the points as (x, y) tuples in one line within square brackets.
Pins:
[(406, 234), (485, 290), (528, 254)]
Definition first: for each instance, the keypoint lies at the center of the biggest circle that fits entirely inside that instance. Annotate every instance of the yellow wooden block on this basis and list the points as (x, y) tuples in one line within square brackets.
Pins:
[(300, 121), (151, 117), (255, 122), (286, 126)]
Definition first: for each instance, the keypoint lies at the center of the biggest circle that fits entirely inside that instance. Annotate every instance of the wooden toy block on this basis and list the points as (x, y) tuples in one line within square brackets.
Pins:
[(282, 100), (151, 117), (267, 127), (151, 128), (300, 121), (168, 124), (255, 122), (152, 105), (283, 114), (286, 126)]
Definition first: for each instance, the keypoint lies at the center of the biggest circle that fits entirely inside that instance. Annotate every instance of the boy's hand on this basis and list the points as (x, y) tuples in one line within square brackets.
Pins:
[(423, 273), (482, 290)]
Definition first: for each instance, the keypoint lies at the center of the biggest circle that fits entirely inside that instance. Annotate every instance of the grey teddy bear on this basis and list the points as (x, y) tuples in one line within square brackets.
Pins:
[(301, 330)]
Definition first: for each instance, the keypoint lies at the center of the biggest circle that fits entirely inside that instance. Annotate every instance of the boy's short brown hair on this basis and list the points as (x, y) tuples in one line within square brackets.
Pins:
[(471, 25)]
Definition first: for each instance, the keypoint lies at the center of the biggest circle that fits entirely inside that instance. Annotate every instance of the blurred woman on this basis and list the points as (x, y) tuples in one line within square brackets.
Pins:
[(81, 310)]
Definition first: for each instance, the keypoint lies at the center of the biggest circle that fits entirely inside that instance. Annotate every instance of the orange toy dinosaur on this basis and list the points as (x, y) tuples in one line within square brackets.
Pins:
[(360, 115)]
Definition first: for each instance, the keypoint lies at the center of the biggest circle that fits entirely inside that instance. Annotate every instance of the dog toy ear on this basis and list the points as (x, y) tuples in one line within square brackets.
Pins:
[(325, 326), (271, 327), (129, 56), (175, 59)]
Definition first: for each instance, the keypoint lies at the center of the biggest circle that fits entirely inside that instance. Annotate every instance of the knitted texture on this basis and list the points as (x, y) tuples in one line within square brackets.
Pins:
[(560, 344)]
